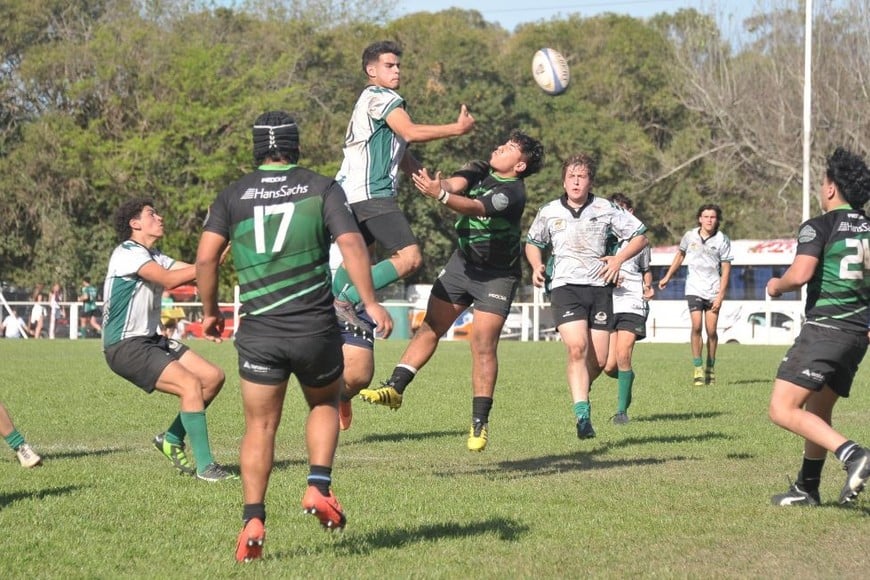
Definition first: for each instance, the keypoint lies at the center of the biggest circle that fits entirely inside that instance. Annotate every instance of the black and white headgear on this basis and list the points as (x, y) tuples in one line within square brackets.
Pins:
[(274, 132)]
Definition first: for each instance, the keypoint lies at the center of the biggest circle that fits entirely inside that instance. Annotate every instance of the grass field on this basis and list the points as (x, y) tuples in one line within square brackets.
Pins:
[(682, 491)]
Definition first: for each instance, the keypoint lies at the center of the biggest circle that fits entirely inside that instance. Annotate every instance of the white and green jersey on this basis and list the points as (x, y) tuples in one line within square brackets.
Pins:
[(372, 152), (628, 296), (580, 237), (131, 304), (704, 257)]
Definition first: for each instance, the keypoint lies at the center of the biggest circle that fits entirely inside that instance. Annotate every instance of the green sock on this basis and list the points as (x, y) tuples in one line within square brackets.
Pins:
[(176, 432), (697, 361), (582, 409), (340, 282), (14, 439), (197, 429), (383, 274), (710, 362), (625, 379)]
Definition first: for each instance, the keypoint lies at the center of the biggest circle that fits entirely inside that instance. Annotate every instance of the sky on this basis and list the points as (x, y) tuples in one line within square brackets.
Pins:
[(510, 13)]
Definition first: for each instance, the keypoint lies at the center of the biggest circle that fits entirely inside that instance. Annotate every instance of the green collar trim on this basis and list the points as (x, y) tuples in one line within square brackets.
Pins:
[(271, 167)]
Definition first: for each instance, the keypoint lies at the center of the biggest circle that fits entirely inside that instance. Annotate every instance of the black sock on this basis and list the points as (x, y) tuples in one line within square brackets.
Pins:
[(845, 450), (810, 474), (254, 510), (320, 477), (480, 407), (402, 376)]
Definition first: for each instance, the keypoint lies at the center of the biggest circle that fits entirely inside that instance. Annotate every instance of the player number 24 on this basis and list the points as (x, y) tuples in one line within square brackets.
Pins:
[(861, 258)]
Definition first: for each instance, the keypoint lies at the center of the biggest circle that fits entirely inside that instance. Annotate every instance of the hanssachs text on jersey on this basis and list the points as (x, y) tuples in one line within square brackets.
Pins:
[(283, 191)]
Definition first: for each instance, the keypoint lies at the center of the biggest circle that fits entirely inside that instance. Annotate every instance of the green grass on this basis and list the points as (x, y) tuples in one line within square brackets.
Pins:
[(682, 491)]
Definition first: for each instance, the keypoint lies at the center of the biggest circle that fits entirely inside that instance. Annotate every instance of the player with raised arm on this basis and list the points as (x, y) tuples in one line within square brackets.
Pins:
[(375, 149), (485, 270)]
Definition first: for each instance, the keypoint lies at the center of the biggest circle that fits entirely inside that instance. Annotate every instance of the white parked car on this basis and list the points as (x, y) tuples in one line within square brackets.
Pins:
[(759, 327)]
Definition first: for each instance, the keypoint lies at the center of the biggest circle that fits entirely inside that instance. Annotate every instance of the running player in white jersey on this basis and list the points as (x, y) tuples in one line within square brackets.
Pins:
[(630, 310), (577, 227), (136, 350), (707, 254)]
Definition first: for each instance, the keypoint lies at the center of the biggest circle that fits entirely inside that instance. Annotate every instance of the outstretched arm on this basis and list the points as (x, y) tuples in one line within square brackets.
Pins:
[(400, 122), (447, 192)]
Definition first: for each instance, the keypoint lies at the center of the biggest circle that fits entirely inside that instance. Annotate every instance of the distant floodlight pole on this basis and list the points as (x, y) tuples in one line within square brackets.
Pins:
[(808, 104)]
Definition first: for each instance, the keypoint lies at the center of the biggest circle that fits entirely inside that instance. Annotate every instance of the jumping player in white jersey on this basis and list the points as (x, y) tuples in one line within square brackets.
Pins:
[(375, 149), (707, 253), (136, 350)]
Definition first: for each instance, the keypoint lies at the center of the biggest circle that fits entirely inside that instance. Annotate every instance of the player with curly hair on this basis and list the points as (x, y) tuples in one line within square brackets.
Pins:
[(833, 260)]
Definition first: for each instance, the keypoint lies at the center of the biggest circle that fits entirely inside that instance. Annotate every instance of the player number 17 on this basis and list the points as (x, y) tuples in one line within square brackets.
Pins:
[(285, 210)]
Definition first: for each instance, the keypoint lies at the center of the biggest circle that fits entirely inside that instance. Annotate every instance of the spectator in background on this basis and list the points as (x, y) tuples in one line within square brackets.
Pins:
[(37, 316), (13, 326), (88, 319), (26, 455), (54, 299), (171, 317)]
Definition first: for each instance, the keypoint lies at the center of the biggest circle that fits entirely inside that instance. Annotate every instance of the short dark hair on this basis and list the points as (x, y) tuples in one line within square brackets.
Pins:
[(583, 160), (622, 200), (129, 210), (849, 173), (710, 206), (532, 150), (275, 137), (374, 51)]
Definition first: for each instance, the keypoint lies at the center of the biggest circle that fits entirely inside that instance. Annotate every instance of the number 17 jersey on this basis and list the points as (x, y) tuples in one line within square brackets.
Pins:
[(280, 220)]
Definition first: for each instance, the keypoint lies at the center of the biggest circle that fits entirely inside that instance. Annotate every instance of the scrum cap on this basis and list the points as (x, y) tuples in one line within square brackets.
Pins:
[(275, 132)]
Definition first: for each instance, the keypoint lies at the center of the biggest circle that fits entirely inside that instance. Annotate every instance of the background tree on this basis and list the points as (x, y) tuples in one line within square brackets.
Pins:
[(108, 99)]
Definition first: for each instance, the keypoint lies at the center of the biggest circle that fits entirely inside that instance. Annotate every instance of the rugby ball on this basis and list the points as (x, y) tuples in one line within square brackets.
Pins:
[(550, 70)]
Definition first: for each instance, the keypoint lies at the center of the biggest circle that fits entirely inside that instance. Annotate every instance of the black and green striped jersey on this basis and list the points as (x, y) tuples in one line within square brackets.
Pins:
[(838, 294), (280, 221), (492, 240)]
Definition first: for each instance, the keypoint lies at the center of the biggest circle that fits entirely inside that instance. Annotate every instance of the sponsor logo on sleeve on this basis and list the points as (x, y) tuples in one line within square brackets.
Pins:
[(807, 234), (500, 201)]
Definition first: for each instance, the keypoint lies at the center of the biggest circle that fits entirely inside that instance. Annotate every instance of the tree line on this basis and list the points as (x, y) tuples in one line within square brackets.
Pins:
[(102, 100)]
